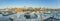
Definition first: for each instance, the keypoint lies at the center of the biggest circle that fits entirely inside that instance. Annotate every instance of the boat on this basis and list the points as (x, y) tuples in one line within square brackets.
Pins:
[(51, 19), (47, 12), (6, 13)]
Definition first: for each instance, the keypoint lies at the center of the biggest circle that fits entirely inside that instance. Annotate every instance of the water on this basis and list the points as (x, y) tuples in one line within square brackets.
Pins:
[(19, 17)]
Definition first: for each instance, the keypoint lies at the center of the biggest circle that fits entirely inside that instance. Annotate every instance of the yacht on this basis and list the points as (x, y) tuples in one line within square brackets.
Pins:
[(47, 12), (23, 16), (51, 19), (8, 12)]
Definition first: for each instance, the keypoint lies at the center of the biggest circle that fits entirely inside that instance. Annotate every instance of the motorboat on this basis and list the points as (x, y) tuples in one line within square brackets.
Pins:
[(51, 19), (23, 16), (6, 13), (47, 12)]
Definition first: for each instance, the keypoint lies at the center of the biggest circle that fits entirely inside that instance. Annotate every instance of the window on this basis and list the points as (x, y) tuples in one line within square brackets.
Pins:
[(30, 16)]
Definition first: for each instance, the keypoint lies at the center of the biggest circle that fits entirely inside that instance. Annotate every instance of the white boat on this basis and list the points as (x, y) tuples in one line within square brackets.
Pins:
[(8, 12), (47, 12)]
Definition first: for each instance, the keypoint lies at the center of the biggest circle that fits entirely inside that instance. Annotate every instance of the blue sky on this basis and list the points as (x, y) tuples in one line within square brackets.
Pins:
[(32, 3)]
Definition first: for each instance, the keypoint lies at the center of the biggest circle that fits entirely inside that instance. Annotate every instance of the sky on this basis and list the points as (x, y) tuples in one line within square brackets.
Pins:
[(30, 3)]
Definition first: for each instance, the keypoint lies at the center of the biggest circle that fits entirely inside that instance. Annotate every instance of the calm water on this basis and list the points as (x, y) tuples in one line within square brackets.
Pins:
[(56, 15)]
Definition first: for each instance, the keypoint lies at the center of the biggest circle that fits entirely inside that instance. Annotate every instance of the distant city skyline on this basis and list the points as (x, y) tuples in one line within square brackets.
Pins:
[(30, 3)]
